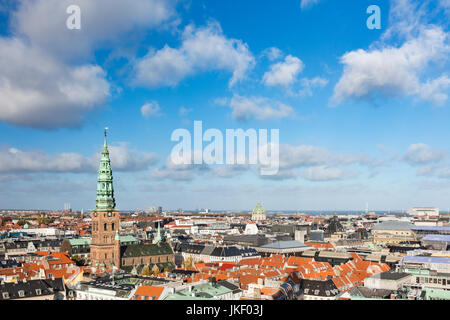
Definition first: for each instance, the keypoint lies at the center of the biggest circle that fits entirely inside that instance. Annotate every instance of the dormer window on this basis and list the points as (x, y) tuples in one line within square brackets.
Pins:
[(38, 292), (5, 295), (21, 293)]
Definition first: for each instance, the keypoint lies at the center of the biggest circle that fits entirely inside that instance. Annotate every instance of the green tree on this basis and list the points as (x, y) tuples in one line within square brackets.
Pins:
[(22, 223)]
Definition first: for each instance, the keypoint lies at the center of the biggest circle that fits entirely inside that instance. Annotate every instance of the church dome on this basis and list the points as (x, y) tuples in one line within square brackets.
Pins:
[(259, 209)]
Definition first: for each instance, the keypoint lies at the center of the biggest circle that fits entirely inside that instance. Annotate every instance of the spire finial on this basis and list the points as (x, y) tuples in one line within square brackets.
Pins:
[(105, 145)]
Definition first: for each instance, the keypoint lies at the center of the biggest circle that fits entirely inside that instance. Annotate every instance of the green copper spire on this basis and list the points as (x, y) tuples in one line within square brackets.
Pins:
[(105, 190), (158, 238)]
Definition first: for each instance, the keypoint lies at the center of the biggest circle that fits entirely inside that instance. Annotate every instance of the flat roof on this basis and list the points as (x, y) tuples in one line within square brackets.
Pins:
[(393, 275), (423, 259), (431, 228), (437, 237), (285, 245)]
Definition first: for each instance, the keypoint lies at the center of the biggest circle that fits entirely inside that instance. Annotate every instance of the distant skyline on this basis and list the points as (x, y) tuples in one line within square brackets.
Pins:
[(363, 114)]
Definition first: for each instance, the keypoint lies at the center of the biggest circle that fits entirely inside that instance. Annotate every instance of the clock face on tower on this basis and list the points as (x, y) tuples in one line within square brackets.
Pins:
[(109, 214), (95, 214)]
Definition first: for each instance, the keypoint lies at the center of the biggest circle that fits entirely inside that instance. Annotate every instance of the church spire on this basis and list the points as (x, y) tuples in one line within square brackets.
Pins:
[(158, 237), (105, 191), (105, 144)]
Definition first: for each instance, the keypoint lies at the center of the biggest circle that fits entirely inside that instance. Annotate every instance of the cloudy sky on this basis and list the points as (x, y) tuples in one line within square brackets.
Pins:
[(363, 114)]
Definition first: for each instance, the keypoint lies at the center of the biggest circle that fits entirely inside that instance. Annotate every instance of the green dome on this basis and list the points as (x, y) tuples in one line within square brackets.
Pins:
[(259, 209)]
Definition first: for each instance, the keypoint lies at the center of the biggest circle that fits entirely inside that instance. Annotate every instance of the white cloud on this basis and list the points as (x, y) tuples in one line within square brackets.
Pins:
[(44, 82), (38, 91), (296, 161), (435, 90), (284, 73), (183, 111), (295, 156), (245, 108), (309, 84), (319, 164), (420, 154), (445, 4), (304, 4), (125, 159), (325, 173), (202, 49), (391, 71), (222, 101), (43, 22), (13, 160), (151, 109), (178, 172), (272, 53), (406, 18)]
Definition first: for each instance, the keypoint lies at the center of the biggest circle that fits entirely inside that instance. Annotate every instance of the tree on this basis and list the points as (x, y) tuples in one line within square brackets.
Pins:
[(22, 222), (156, 270), (44, 220), (146, 271), (188, 262)]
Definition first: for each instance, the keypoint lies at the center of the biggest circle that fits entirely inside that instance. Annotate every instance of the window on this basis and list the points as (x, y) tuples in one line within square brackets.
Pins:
[(113, 225), (38, 292), (105, 227), (21, 293), (5, 295)]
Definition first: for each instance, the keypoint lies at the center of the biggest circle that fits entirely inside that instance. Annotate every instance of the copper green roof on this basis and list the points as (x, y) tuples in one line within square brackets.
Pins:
[(80, 242), (205, 291), (87, 241)]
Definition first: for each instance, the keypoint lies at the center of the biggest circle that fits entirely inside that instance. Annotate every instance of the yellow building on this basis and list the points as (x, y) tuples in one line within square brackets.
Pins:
[(393, 232)]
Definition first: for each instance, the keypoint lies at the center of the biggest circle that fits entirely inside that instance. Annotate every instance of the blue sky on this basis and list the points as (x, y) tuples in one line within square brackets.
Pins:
[(363, 114)]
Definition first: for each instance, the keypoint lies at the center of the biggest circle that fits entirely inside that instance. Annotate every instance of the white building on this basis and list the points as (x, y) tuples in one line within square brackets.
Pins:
[(424, 212), (251, 228)]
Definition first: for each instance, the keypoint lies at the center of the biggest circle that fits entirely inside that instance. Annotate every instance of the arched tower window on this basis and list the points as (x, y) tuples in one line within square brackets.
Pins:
[(105, 226), (113, 225)]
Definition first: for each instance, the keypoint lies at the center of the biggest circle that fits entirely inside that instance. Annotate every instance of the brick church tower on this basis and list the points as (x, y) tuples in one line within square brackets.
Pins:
[(105, 244)]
